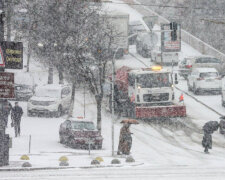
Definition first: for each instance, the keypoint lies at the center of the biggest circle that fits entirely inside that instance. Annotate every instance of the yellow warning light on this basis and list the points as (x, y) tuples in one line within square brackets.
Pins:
[(156, 68)]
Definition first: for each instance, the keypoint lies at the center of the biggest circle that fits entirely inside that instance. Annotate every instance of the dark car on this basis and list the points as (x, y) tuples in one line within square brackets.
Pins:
[(23, 92), (24, 86), (79, 134)]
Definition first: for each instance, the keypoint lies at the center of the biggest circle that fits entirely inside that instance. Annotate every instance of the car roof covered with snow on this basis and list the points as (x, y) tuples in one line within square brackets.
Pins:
[(53, 86)]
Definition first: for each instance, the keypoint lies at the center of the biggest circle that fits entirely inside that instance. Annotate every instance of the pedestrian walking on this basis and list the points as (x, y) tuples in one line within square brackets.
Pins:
[(208, 129), (125, 140), (16, 115)]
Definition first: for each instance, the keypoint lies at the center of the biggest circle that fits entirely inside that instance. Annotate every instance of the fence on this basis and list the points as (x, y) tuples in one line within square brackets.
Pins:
[(193, 41)]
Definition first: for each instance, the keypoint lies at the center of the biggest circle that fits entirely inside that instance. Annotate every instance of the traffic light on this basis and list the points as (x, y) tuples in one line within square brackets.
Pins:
[(173, 27)]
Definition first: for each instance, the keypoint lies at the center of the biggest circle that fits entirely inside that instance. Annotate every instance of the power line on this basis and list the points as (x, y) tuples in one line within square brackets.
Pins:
[(213, 21), (154, 5)]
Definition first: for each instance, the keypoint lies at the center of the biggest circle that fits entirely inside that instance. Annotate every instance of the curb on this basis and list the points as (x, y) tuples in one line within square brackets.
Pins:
[(72, 167)]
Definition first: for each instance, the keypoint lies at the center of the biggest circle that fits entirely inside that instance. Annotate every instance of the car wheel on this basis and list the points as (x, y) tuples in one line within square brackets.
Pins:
[(195, 90), (99, 146), (189, 87), (59, 112), (61, 140), (223, 103)]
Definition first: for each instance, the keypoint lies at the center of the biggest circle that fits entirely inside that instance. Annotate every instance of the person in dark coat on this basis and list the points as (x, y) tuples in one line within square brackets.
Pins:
[(125, 140), (208, 129), (4, 113), (16, 115)]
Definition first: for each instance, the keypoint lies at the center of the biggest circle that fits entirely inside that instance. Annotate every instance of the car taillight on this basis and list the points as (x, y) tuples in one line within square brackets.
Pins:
[(189, 66), (159, 54), (199, 79), (218, 78)]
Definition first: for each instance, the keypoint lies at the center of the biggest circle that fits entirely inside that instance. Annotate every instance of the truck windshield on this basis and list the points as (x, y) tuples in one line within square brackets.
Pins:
[(154, 80)]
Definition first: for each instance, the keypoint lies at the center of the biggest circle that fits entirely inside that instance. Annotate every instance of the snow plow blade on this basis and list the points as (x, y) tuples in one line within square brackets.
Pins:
[(161, 111)]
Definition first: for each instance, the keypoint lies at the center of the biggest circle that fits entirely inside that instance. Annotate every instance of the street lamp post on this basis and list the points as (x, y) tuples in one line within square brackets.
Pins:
[(113, 112)]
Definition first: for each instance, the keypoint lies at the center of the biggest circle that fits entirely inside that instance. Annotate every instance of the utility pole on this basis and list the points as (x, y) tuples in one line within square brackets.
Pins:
[(8, 19), (2, 15)]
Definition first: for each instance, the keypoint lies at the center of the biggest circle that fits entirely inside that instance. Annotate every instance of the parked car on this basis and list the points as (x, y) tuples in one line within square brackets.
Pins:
[(204, 79), (223, 92), (24, 86), (50, 100), (165, 58), (205, 61), (185, 67), (144, 44), (79, 134)]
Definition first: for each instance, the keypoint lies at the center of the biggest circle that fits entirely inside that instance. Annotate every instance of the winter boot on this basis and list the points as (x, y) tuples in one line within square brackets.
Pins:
[(206, 150)]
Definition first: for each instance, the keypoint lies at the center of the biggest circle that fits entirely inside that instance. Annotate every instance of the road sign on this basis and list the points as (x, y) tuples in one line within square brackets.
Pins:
[(6, 85), (2, 61), (13, 54), (167, 43)]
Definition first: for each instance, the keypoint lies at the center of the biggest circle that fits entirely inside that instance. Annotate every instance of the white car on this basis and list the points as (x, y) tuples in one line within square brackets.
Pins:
[(50, 100), (165, 58), (223, 94), (204, 79), (204, 61)]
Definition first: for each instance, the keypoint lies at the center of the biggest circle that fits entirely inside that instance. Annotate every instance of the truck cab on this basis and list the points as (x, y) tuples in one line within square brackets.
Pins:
[(150, 86)]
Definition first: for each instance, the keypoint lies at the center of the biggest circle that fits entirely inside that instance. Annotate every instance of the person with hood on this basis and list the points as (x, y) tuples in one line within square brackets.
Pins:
[(125, 140), (208, 129), (16, 115)]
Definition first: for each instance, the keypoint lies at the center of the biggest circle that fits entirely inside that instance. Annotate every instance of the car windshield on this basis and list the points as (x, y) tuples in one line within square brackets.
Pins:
[(207, 60), (208, 74), (54, 93), (83, 125), (154, 80)]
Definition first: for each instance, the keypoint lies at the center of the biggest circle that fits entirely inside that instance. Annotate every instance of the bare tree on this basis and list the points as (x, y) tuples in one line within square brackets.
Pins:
[(76, 40)]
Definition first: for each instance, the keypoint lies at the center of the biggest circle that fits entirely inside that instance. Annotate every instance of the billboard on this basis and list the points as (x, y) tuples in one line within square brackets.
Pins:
[(6, 85), (13, 54), (167, 44)]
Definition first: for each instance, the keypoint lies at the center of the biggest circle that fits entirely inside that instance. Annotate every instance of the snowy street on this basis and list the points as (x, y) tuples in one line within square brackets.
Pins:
[(151, 172), (169, 148)]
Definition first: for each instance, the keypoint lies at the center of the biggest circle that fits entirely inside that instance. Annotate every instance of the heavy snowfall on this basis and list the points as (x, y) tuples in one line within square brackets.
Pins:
[(80, 57)]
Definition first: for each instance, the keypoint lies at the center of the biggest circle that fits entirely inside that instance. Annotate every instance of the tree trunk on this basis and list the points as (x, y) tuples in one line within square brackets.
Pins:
[(50, 75), (28, 55), (72, 101), (60, 71), (99, 113)]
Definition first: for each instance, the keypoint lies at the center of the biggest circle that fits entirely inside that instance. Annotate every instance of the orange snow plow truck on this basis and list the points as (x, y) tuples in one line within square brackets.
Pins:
[(146, 93)]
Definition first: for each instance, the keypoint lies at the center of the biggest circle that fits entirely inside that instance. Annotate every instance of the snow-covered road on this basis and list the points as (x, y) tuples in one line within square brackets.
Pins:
[(169, 150), (131, 173)]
